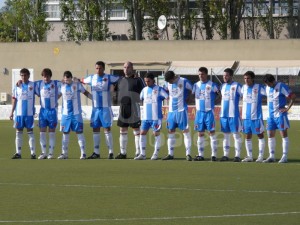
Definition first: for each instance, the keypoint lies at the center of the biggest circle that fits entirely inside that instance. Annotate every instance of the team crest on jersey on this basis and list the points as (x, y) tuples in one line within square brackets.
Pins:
[(180, 86), (208, 88), (104, 79), (30, 88), (74, 88), (52, 86), (276, 90), (255, 91), (232, 88), (155, 91)]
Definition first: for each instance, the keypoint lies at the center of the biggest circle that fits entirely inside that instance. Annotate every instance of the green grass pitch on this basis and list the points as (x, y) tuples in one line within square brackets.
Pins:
[(124, 192)]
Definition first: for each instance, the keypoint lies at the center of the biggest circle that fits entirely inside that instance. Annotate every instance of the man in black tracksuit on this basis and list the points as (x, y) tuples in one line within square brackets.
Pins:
[(128, 91)]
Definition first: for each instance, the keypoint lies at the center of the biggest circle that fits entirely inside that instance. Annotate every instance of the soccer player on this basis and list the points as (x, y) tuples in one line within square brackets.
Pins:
[(102, 115), (22, 113), (152, 96), (71, 113), (252, 115), (128, 91), (277, 95), (179, 89), (47, 90), (206, 93), (230, 115)]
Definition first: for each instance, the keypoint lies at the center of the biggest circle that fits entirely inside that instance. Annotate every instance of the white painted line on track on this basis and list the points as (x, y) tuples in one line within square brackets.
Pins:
[(153, 188), (149, 218)]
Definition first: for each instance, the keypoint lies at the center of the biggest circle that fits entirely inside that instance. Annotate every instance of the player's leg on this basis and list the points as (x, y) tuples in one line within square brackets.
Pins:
[(145, 126), (171, 126), (183, 125), (29, 124), (210, 126), (77, 126), (226, 139), (107, 120), (247, 129), (157, 139), (236, 128), (53, 121), (95, 123), (271, 131), (123, 124), (283, 125), (199, 126), (65, 127), (43, 133)]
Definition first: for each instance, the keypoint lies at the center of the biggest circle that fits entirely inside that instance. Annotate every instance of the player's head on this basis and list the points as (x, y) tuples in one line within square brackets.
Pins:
[(269, 80), (227, 75), (149, 79), (25, 74), (68, 77), (249, 78), (170, 76), (46, 74), (203, 74), (128, 69), (100, 67)]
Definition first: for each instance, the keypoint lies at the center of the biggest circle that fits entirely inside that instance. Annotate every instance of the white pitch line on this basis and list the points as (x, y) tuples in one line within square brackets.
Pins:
[(148, 218), (153, 188)]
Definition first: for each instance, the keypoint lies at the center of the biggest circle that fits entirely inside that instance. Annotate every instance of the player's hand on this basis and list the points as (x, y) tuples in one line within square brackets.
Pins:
[(11, 116), (19, 83), (283, 110)]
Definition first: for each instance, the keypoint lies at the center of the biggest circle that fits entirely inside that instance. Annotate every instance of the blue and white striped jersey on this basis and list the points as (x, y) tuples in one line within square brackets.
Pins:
[(152, 98), (178, 93), (276, 97), (71, 102), (205, 95), (231, 94), (100, 86), (252, 101), (25, 99), (48, 93)]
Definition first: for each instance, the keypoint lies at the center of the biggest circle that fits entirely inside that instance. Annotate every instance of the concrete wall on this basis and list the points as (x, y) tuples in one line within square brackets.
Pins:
[(80, 58)]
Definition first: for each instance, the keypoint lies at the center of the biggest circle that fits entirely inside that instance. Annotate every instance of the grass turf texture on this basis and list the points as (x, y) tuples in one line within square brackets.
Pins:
[(123, 192)]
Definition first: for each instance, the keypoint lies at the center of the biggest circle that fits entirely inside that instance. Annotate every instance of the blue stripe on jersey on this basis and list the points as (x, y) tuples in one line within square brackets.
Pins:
[(149, 106), (249, 104), (226, 103)]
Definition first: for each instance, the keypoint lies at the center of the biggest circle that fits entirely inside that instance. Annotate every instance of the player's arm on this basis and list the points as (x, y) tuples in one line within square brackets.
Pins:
[(218, 96), (291, 98), (14, 102), (88, 94)]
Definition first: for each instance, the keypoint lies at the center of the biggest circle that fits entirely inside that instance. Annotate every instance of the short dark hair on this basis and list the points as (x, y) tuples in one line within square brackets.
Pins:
[(251, 74), (203, 69), (68, 74), (269, 78), (149, 75), (229, 71), (169, 75), (25, 70), (101, 63), (47, 71)]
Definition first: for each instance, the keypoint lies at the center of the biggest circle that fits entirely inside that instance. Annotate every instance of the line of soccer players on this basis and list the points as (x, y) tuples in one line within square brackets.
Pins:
[(131, 90)]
